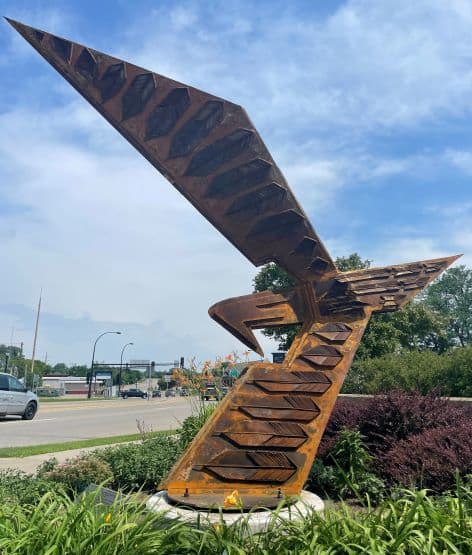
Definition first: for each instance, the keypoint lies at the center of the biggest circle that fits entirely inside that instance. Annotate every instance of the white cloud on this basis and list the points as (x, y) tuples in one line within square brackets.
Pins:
[(182, 17), (105, 235), (369, 65), (113, 243), (461, 159), (316, 182), (408, 249)]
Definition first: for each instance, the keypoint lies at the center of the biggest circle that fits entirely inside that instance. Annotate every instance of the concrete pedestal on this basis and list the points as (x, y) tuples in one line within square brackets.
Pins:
[(257, 521)]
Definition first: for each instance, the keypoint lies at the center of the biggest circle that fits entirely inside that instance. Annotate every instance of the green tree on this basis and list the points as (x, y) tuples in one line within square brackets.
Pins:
[(60, 368), (414, 327), (272, 277), (380, 337), (352, 262), (20, 366), (9, 357), (450, 297), (419, 328), (79, 370)]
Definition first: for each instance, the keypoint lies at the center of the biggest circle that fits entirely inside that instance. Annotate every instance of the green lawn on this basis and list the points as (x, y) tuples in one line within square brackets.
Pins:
[(28, 451)]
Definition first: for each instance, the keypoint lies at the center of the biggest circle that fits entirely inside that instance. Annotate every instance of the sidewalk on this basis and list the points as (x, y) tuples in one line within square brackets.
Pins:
[(30, 464)]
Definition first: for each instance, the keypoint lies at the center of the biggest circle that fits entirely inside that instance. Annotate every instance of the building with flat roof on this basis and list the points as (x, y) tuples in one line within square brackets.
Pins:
[(70, 385)]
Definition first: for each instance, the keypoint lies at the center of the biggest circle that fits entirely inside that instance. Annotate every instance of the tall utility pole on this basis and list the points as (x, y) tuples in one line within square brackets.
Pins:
[(35, 338)]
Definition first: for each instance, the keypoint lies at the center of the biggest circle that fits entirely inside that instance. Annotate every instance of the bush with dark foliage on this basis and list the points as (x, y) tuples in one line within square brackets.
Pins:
[(430, 459), (396, 416), (411, 436)]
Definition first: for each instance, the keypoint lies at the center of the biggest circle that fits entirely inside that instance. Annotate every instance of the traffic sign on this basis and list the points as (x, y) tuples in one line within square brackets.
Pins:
[(140, 362), (103, 375)]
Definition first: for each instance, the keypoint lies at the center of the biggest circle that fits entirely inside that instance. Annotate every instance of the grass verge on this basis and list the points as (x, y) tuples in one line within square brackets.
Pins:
[(30, 450)]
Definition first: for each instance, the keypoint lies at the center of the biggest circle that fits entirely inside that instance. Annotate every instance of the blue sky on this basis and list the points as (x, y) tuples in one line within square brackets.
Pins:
[(365, 105)]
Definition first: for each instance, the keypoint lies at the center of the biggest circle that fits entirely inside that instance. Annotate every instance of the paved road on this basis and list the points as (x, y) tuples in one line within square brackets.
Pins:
[(56, 422)]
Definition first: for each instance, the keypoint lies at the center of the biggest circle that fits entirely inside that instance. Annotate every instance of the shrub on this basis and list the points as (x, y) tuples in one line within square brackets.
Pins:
[(347, 415), (194, 423), (346, 472), (387, 419), (401, 430), (23, 489), (46, 466), (141, 465), (407, 370), (383, 420), (456, 377), (76, 474), (450, 373), (430, 459)]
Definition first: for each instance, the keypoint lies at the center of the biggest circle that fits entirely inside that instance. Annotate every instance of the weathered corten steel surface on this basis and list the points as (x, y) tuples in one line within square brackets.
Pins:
[(263, 438)]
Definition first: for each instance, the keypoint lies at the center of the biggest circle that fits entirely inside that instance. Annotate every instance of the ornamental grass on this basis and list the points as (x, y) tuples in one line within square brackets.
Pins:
[(413, 523)]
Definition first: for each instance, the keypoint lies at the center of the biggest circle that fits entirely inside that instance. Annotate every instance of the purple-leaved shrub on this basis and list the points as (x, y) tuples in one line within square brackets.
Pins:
[(416, 440)]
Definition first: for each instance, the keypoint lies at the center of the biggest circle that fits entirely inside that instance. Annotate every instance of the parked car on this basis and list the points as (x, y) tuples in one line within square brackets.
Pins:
[(170, 393), (156, 393), (16, 399), (134, 393), (184, 392), (48, 392)]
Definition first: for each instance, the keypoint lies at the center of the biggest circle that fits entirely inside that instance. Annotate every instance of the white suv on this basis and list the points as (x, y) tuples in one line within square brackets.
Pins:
[(15, 399)]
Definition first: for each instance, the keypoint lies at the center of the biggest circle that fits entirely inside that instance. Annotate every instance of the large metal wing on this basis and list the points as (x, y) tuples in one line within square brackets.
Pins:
[(263, 437), (207, 147)]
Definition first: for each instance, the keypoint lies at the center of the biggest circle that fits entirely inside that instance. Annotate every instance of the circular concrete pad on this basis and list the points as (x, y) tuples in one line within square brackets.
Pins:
[(257, 521)]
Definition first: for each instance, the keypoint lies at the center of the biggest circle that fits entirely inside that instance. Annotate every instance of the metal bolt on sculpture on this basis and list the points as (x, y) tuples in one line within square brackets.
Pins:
[(264, 436)]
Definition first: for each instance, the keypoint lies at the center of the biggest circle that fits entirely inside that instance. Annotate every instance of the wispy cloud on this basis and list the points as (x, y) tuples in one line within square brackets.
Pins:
[(368, 65)]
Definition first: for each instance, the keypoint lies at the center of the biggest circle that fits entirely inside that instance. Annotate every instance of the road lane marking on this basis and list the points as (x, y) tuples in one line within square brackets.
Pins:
[(108, 406), (28, 422)]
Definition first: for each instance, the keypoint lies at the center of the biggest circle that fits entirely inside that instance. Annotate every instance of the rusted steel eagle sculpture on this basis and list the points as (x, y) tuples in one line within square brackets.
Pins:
[(264, 436)]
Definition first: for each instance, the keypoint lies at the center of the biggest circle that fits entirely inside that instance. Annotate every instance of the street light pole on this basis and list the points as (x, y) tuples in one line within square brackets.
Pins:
[(93, 360), (121, 365)]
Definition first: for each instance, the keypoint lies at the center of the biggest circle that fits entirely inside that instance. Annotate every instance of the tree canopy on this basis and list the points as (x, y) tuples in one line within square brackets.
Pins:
[(450, 297)]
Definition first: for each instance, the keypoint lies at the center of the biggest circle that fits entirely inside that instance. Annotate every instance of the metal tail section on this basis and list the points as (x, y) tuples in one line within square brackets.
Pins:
[(240, 315)]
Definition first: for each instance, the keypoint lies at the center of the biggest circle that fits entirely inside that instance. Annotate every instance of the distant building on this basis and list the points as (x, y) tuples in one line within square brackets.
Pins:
[(72, 385)]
